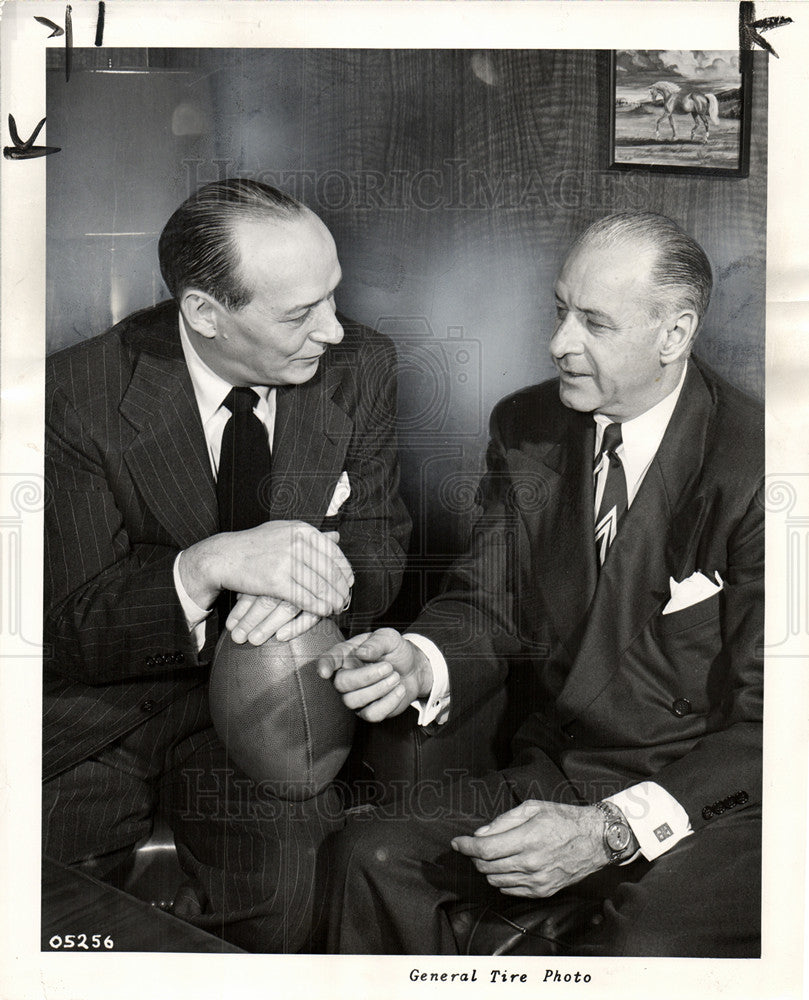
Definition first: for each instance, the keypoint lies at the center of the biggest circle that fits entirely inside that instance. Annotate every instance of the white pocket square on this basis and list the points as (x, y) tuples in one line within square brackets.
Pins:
[(342, 491), (691, 591)]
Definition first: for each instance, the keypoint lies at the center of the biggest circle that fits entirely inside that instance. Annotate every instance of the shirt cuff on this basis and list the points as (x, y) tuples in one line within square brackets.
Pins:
[(656, 818), (436, 707), (195, 616)]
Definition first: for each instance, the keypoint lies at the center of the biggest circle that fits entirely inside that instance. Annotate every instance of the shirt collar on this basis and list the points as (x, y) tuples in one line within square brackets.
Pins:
[(642, 435), (210, 389)]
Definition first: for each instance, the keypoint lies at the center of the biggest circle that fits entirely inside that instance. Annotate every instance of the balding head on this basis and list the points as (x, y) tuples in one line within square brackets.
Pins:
[(254, 273), (629, 298), (198, 247), (679, 271)]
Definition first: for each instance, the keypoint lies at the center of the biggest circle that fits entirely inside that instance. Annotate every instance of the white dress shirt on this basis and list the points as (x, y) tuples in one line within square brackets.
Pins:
[(641, 438), (656, 818), (210, 391)]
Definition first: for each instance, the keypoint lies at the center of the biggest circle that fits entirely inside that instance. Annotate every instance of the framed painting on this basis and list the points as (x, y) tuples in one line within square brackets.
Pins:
[(679, 111)]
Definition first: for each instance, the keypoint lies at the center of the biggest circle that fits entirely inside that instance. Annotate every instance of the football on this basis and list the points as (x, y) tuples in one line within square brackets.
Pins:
[(281, 723)]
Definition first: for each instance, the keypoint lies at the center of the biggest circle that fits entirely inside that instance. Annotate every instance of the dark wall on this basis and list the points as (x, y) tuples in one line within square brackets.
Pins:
[(453, 181)]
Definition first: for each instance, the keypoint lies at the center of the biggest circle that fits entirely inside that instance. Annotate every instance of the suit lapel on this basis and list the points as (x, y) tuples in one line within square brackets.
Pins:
[(654, 541), (167, 457), (561, 530), (311, 437)]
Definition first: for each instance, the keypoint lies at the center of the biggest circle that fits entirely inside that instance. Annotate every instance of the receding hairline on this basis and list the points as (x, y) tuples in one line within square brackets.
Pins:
[(612, 239), (635, 242), (662, 296), (258, 220), (198, 247), (254, 215)]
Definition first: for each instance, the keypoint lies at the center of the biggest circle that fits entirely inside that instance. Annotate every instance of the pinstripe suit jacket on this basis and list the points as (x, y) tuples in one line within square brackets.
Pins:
[(129, 485)]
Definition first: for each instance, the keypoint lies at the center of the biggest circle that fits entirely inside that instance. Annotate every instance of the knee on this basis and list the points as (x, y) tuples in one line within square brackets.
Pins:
[(658, 916), (368, 844)]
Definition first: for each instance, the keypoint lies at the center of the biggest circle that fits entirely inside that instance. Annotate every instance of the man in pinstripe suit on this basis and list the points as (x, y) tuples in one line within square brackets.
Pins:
[(135, 558)]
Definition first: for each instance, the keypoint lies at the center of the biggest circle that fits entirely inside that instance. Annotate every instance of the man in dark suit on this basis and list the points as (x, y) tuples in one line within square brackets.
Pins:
[(617, 570), (144, 543)]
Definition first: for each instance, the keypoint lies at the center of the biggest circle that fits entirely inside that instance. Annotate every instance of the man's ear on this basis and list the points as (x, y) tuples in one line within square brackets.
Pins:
[(201, 313), (679, 332)]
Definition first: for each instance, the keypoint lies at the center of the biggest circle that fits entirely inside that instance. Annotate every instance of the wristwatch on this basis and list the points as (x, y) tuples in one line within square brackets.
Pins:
[(619, 840)]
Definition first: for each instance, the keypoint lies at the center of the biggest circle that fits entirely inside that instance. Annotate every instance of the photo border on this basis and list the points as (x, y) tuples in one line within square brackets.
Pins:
[(778, 973)]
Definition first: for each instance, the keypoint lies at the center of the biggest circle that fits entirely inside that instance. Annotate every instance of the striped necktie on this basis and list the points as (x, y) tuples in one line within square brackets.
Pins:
[(614, 499)]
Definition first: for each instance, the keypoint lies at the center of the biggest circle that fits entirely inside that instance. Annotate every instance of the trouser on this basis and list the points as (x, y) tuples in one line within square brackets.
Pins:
[(396, 880), (252, 859)]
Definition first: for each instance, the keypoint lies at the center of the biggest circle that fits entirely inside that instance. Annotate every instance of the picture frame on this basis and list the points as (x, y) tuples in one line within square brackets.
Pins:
[(680, 112)]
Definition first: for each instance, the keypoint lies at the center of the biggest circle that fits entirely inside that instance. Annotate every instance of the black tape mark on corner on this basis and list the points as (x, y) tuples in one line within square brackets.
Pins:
[(57, 30), (749, 28), (68, 42), (26, 150), (99, 40)]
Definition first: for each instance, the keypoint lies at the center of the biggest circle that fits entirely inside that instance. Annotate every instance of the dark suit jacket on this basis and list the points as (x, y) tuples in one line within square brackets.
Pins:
[(129, 484), (613, 690)]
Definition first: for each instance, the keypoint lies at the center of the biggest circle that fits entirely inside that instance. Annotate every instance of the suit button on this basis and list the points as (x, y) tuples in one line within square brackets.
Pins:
[(741, 798), (150, 661), (718, 808), (707, 813), (179, 656), (681, 707), (147, 706)]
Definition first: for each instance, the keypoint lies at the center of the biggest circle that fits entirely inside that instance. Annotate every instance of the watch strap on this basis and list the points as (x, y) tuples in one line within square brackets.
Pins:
[(614, 825)]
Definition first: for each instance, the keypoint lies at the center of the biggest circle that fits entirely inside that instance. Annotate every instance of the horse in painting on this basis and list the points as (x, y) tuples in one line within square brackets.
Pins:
[(703, 108)]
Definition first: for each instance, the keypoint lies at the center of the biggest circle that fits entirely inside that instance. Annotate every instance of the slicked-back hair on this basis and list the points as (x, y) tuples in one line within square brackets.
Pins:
[(680, 276), (198, 248)]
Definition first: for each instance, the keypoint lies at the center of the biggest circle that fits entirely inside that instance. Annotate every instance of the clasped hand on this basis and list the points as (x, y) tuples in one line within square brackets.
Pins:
[(537, 848), (287, 573), (314, 575)]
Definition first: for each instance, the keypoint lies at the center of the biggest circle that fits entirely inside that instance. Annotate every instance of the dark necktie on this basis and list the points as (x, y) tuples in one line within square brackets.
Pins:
[(243, 481), (242, 485), (614, 499)]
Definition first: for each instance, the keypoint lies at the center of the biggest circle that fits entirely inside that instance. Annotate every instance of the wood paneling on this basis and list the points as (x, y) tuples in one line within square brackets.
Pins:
[(453, 181)]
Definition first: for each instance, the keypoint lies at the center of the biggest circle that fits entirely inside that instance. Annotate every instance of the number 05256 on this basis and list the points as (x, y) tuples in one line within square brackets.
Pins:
[(81, 942)]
